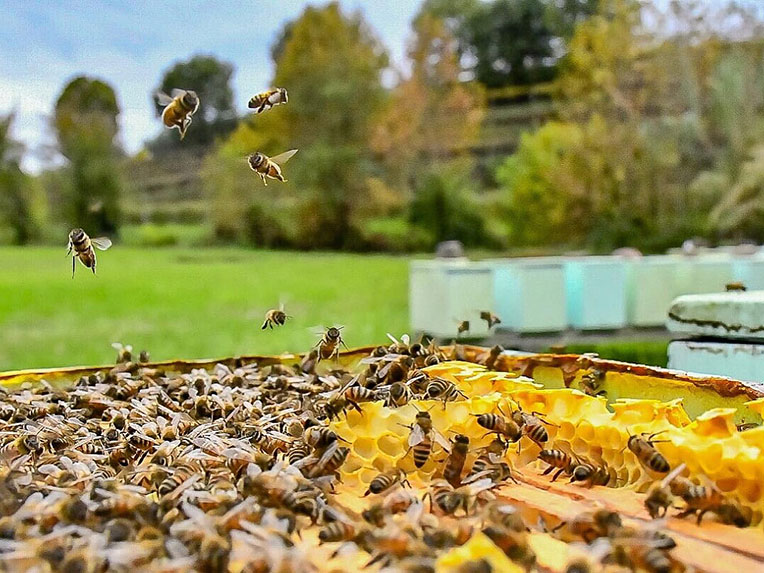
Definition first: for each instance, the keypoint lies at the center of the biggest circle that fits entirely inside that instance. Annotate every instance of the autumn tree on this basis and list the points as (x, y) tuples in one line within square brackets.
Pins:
[(331, 64), (211, 80), (85, 121)]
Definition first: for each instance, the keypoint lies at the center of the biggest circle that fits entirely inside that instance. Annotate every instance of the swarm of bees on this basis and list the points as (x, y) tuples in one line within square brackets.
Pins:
[(221, 468)]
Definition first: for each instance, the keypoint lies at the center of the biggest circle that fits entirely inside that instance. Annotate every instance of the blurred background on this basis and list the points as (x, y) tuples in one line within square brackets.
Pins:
[(518, 127)]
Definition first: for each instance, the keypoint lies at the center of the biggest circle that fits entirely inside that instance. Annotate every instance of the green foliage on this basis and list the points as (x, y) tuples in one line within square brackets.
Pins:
[(741, 212), (164, 235), (445, 210), (511, 42), (86, 125), (331, 64), (216, 117), (20, 207)]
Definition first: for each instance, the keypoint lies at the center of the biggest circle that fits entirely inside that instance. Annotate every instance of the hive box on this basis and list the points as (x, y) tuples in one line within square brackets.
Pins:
[(750, 271), (704, 273), (652, 284), (595, 289), (530, 294), (444, 292), (738, 360)]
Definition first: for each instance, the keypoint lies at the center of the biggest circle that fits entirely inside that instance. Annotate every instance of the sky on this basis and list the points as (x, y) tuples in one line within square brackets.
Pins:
[(45, 43)]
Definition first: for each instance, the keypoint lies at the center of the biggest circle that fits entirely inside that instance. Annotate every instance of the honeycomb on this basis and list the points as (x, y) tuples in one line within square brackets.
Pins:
[(240, 458), (711, 447)]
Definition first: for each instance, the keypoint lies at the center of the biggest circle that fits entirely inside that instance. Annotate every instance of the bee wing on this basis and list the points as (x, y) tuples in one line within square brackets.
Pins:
[(102, 243), (391, 337), (282, 158), (177, 92), (416, 436), (442, 440), (163, 98), (674, 473), (327, 455)]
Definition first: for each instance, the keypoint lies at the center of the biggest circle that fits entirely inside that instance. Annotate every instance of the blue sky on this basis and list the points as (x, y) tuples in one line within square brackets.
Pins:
[(129, 44)]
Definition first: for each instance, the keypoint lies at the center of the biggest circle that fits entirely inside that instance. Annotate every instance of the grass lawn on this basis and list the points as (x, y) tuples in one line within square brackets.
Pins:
[(184, 303)]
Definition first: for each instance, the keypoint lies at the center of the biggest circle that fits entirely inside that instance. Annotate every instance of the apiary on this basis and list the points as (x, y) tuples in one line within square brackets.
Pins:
[(405, 457)]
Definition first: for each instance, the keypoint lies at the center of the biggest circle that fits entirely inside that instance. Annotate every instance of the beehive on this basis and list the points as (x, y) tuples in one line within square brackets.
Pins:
[(596, 428)]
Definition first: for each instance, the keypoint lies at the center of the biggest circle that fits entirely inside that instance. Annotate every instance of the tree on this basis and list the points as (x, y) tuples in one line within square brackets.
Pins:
[(85, 121), (511, 42), (331, 64), (211, 80), (432, 116), (17, 193)]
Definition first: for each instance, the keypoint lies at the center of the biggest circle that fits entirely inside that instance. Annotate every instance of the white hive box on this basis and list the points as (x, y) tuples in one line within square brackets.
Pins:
[(595, 290), (530, 294), (750, 271), (652, 285), (444, 292), (723, 332), (705, 273)]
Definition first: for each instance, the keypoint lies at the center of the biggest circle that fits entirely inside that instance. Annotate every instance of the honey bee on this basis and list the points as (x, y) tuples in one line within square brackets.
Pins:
[(82, 247), (501, 425), (268, 99), (450, 499), (21, 446), (337, 531), (452, 471), (591, 383), (275, 316), (178, 109), (330, 342), (489, 358), (386, 480), (646, 453), (398, 395), (269, 167), (439, 388), (744, 427), (329, 462), (463, 326), (490, 318), (514, 544), (590, 473), (557, 459), (738, 286), (532, 425), (181, 473), (490, 455), (421, 436)]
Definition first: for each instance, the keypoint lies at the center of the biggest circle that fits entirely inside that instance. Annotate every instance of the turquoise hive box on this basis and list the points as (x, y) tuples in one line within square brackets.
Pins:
[(595, 290)]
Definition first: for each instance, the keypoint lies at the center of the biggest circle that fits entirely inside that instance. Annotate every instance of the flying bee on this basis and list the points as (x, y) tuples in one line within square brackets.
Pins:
[(591, 383), (557, 459), (490, 318), (82, 248), (646, 453), (398, 395), (386, 480), (452, 471), (178, 109), (501, 425), (269, 167), (268, 99), (330, 342), (462, 327), (420, 439), (275, 316), (440, 388)]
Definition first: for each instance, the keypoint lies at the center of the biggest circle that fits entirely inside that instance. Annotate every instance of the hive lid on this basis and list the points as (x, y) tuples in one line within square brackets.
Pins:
[(726, 315)]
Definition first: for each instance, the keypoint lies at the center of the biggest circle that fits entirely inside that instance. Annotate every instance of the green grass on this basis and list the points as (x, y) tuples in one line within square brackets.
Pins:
[(184, 303), (649, 352)]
